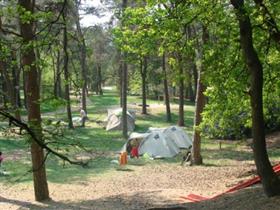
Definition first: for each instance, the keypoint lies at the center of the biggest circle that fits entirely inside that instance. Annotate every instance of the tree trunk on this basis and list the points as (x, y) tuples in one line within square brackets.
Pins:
[(124, 85), (39, 70), (166, 92), (124, 99), (191, 95), (24, 89), (66, 71), (143, 71), (9, 76), (120, 82), (196, 158), (17, 85), (181, 120), (4, 76), (199, 105), (54, 75), (120, 78), (15, 81), (83, 56), (33, 104), (57, 75), (192, 91), (99, 79), (96, 79), (194, 66), (8, 83), (195, 78), (189, 89), (2, 103), (4, 85), (270, 181)]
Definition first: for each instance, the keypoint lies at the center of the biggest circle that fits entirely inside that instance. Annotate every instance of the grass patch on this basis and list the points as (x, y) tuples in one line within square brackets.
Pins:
[(17, 160), (7, 144)]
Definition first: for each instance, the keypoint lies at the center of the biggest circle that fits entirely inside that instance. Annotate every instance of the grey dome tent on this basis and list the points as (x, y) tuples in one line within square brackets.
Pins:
[(177, 135), (114, 119), (154, 143)]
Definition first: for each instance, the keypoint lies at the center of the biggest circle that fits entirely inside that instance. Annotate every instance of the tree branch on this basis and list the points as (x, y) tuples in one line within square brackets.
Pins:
[(269, 20), (24, 126)]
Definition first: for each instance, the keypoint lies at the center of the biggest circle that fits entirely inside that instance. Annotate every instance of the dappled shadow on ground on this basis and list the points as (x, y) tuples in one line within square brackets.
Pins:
[(246, 199), (132, 201), (232, 154), (19, 203)]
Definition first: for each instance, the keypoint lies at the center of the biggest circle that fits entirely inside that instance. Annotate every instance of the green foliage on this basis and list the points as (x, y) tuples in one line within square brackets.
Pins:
[(50, 104), (228, 111), (136, 85), (136, 36)]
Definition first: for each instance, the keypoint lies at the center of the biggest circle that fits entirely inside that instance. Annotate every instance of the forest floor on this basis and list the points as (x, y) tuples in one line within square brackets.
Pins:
[(142, 184)]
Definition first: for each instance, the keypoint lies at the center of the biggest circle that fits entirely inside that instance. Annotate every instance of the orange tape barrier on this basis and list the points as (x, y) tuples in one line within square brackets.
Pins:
[(247, 183)]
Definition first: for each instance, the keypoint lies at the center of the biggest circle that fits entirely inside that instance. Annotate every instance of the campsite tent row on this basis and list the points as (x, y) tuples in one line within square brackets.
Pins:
[(160, 142), (114, 119)]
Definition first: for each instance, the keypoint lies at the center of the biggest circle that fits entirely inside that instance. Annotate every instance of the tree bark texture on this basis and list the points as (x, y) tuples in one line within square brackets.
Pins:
[(143, 71), (57, 75), (10, 90), (2, 86), (195, 78), (166, 92), (270, 181), (24, 89), (181, 120), (124, 85), (119, 84), (199, 105), (39, 70), (193, 83), (99, 79), (124, 99), (66, 70), (8, 80), (33, 104), (16, 91), (196, 158), (83, 57)]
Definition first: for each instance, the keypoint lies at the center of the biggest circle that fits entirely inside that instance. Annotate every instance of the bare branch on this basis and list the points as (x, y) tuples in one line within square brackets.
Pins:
[(55, 20)]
